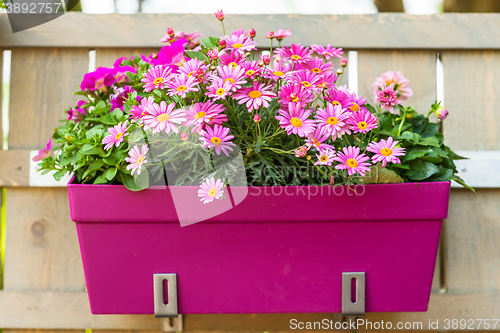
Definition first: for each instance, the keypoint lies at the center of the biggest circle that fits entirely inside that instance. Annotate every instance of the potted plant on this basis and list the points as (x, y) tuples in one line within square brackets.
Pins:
[(295, 178)]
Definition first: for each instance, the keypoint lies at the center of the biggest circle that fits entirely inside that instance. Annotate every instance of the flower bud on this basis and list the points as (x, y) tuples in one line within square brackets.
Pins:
[(170, 32), (326, 85), (154, 55), (441, 113), (184, 136), (200, 71), (251, 33), (270, 35), (222, 44), (343, 62), (256, 118), (68, 137), (332, 180), (266, 59), (219, 15), (308, 157), (247, 54), (339, 71), (212, 68), (213, 54), (294, 97), (260, 63)]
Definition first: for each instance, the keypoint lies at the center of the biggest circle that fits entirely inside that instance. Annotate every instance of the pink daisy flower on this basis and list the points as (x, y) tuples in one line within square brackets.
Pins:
[(317, 138), (201, 114), (325, 157), (327, 80), (191, 67), (318, 66), (163, 118), (240, 44), (305, 78), (297, 53), (236, 76), (219, 90), (156, 78), (339, 97), (351, 160), (139, 111), (251, 69), (218, 139), (255, 96), (388, 97), (358, 103), (362, 121), (279, 71), (116, 135), (137, 158), (280, 34), (181, 85), (294, 93), (333, 120), (327, 52), (301, 151), (401, 84), (295, 120), (210, 189), (385, 151), (232, 59)]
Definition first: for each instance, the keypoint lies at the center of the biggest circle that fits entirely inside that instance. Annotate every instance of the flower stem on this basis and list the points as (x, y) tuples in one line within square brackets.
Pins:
[(223, 29), (402, 123)]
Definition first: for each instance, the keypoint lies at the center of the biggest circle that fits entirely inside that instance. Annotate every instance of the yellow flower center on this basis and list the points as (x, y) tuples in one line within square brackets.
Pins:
[(140, 160), (278, 73), (162, 117), (354, 107), (237, 45), (220, 91), (362, 125), (296, 57), (351, 163), (386, 151), (250, 72), (181, 88), (332, 121), (216, 141), (336, 103), (232, 64), (199, 115), (296, 122), (316, 70), (254, 94), (230, 80), (295, 99), (190, 74), (316, 142), (324, 158), (158, 80), (212, 193), (306, 84), (118, 136)]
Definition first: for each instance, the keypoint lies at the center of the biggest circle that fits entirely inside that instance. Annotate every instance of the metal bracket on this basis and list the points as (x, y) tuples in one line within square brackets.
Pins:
[(356, 308), (171, 324), (163, 310)]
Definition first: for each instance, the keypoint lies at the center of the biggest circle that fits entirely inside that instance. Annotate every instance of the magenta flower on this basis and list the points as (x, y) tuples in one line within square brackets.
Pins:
[(317, 139), (139, 111), (295, 120), (401, 84), (172, 55), (358, 103), (297, 53), (327, 52), (333, 120), (217, 138), (294, 93), (43, 153), (351, 160), (77, 114), (252, 69), (318, 66), (240, 44), (441, 113), (385, 151), (181, 85), (388, 97), (119, 72), (116, 135), (301, 151), (339, 97), (98, 80), (235, 75), (193, 67), (201, 114), (163, 117), (305, 78), (325, 157), (280, 34), (219, 14), (156, 78), (327, 80), (137, 158), (362, 121), (120, 97), (279, 71), (219, 90), (255, 96), (210, 189), (232, 59)]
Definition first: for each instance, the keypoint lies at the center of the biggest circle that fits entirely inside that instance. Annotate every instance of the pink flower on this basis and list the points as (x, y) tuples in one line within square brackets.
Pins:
[(295, 93), (98, 79), (181, 85), (251, 68), (307, 79), (327, 80), (163, 117), (256, 118), (339, 97), (297, 53), (255, 96), (156, 78), (217, 138), (388, 97), (301, 151), (210, 189), (252, 33), (325, 157), (280, 34), (137, 158), (318, 66), (219, 90), (235, 75), (201, 114), (385, 151), (232, 59), (139, 111), (317, 138), (279, 72), (362, 121), (213, 54), (171, 55), (295, 120), (219, 15), (191, 67), (116, 135), (266, 59), (77, 114), (120, 97), (327, 52), (401, 84), (44, 153), (358, 103), (441, 113), (240, 44), (351, 160), (333, 120)]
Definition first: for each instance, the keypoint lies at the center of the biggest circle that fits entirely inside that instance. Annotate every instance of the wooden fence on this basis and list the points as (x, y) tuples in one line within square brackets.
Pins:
[(44, 286)]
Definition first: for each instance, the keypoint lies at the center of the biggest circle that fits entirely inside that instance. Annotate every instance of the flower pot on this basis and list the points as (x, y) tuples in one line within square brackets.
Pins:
[(280, 250)]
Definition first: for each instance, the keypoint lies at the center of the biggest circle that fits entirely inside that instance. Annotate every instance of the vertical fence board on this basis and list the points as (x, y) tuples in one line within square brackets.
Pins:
[(1, 147), (418, 66), (472, 96), (107, 57)]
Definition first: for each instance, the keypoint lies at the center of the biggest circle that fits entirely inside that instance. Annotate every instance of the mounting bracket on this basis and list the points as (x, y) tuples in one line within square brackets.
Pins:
[(353, 303)]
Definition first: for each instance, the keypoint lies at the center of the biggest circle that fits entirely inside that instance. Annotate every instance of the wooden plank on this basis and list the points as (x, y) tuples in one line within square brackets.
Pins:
[(472, 96), (14, 168), (418, 66), (107, 56), (42, 85), (386, 30)]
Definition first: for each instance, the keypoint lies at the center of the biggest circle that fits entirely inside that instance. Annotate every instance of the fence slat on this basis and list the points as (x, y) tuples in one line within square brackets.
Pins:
[(107, 56)]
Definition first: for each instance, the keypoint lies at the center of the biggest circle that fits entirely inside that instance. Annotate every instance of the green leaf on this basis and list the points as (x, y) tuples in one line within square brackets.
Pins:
[(100, 180), (110, 173), (424, 171), (461, 182), (89, 149), (258, 145), (95, 131), (96, 164), (381, 175), (196, 54), (409, 136), (416, 152), (132, 184), (75, 157), (207, 43), (110, 160), (59, 174), (101, 104), (109, 120), (429, 141), (65, 160), (142, 180), (117, 113)]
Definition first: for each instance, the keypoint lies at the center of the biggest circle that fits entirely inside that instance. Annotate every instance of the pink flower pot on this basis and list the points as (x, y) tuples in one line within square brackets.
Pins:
[(279, 250)]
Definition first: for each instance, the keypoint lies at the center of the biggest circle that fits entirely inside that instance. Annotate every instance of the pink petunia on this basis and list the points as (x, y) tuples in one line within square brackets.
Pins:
[(211, 189), (77, 114), (256, 96), (351, 160), (44, 153), (295, 120), (137, 158), (218, 139), (156, 78), (181, 85), (362, 121), (386, 151), (116, 135), (327, 52), (163, 117)]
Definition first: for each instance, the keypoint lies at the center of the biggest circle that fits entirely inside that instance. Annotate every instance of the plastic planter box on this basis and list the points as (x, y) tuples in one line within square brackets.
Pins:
[(280, 250)]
